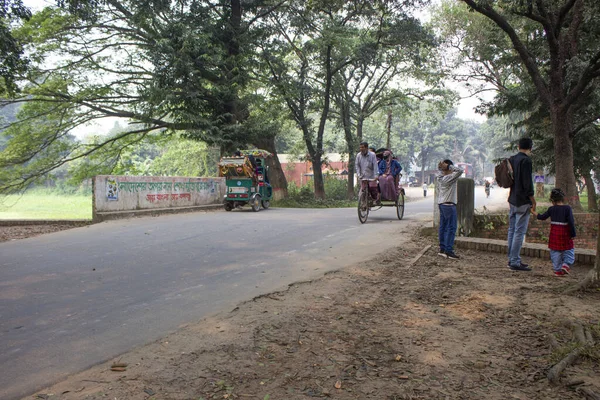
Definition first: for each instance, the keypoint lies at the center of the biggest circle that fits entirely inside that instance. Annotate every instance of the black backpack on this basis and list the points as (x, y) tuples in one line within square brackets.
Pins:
[(504, 173)]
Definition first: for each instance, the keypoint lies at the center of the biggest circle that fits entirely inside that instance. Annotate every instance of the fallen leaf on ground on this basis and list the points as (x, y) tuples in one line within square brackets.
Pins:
[(119, 365), (338, 385)]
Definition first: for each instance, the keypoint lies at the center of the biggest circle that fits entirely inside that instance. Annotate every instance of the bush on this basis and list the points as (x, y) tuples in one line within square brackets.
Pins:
[(304, 196), (335, 189)]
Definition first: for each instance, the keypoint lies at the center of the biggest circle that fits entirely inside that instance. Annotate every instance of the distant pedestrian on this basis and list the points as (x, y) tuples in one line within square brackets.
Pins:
[(562, 232), (447, 182), (424, 190)]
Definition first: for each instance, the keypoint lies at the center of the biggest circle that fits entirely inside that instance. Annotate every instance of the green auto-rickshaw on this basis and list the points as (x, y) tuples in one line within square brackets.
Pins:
[(246, 178)]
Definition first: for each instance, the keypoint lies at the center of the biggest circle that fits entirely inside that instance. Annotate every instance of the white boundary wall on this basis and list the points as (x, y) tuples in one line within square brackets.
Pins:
[(129, 193)]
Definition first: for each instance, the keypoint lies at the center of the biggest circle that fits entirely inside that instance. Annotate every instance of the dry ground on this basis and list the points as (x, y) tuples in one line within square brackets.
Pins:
[(15, 232), (438, 329)]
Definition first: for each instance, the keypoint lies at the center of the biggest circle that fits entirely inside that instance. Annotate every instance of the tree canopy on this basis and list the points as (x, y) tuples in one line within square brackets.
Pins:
[(543, 57), (232, 73)]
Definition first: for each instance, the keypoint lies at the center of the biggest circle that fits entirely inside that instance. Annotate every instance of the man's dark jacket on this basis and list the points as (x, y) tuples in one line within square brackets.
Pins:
[(523, 186)]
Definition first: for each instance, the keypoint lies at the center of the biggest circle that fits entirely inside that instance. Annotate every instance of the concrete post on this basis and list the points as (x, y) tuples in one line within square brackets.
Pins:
[(465, 208)]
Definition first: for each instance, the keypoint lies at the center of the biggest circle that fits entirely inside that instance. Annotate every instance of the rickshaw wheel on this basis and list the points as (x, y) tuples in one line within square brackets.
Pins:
[(228, 206), (266, 204), (256, 203), (363, 206), (400, 205)]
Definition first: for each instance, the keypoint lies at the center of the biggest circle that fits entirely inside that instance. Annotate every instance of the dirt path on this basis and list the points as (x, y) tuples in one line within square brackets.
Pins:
[(15, 232), (438, 329)]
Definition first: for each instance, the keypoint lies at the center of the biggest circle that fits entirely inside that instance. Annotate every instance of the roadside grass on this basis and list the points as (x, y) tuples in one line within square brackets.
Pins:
[(46, 205)]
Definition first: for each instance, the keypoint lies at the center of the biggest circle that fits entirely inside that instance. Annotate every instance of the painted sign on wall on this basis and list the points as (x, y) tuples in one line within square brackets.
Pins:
[(125, 193), (112, 190)]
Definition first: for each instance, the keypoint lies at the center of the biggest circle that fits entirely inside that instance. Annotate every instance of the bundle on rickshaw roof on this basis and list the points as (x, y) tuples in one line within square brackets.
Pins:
[(256, 153), (235, 167)]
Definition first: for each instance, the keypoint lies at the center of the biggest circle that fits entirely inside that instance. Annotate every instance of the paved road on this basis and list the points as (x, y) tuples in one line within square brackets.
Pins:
[(496, 201), (72, 299)]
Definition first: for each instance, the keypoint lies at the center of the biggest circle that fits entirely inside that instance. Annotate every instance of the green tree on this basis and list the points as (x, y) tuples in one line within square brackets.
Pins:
[(389, 48), (12, 62), (431, 132), (164, 67), (558, 49), (312, 43)]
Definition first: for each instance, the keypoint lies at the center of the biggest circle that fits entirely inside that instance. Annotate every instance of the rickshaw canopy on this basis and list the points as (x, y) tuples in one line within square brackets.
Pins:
[(238, 167)]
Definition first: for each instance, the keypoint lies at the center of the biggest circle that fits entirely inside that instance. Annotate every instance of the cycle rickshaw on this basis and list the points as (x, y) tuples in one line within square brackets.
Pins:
[(366, 200)]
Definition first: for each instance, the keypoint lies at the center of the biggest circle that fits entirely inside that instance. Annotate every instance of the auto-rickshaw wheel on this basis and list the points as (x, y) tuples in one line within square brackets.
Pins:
[(266, 204), (228, 206), (256, 203)]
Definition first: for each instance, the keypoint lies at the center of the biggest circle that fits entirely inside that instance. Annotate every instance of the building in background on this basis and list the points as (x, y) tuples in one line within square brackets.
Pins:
[(301, 171)]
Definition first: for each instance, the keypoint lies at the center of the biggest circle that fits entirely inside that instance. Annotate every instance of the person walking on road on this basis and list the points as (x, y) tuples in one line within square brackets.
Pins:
[(367, 168), (521, 201), (447, 182), (424, 190), (562, 232)]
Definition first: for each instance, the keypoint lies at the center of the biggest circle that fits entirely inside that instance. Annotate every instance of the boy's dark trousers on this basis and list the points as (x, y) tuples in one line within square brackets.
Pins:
[(448, 224)]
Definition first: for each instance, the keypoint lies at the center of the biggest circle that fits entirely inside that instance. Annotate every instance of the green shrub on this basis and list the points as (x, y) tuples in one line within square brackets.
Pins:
[(335, 189), (304, 196)]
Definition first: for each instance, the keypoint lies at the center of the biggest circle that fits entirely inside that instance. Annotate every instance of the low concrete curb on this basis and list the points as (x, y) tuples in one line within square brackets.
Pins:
[(582, 256), (107, 216)]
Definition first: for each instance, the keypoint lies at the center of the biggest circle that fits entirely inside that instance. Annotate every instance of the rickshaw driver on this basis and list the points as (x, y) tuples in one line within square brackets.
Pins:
[(367, 168)]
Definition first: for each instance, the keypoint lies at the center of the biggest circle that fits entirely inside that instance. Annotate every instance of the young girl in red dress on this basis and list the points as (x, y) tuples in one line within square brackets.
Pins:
[(562, 232)]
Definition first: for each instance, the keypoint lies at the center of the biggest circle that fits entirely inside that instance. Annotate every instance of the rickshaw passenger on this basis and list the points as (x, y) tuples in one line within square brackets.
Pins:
[(262, 170), (389, 168)]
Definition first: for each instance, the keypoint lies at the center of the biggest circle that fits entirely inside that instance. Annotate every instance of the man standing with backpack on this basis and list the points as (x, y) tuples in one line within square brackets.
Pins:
[(521, 201)]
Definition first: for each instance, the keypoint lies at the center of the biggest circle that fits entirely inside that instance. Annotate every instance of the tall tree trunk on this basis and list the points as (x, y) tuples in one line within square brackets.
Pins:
[(563, 155), (423, 162), (317, 153), (597, 264), (591, 190), (359, 128), (318, 179), (350, 142), (351, 167), (276, 175), (231, 73)]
